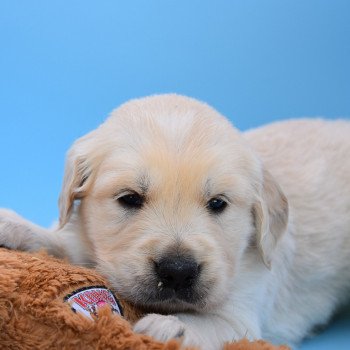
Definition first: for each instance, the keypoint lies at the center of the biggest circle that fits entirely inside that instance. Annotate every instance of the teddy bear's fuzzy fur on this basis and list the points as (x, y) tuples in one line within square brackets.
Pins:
[(33, 314)]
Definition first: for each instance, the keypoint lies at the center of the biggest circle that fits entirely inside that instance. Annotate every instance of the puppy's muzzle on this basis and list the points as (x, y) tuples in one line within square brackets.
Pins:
[(177, 276)]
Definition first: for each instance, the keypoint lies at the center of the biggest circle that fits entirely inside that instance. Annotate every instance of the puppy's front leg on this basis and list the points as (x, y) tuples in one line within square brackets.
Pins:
[(21, 234), (207, 331)]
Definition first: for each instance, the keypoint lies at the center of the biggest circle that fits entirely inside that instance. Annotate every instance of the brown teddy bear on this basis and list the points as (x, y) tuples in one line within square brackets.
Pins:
[(45, 303)]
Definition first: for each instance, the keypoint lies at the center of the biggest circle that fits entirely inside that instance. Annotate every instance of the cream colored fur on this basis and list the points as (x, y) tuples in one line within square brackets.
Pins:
[(275, 262)]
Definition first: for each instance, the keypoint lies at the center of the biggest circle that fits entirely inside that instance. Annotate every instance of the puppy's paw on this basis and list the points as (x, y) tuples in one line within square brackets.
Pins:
[(163, 328), (15, 232)]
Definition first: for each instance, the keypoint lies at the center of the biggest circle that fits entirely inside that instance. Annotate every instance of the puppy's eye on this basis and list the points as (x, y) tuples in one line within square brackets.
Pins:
[(216, 205), (131, 201)]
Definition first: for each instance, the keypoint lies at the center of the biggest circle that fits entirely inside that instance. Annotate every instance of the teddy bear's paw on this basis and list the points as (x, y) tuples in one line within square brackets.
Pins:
[(166, 327)]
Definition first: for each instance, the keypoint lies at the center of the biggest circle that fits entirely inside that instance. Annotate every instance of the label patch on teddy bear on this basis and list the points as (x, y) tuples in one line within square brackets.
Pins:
[(88, 300)]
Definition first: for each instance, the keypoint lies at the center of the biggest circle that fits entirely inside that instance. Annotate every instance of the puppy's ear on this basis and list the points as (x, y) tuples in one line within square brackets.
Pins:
[(75, 181), (271, 217)]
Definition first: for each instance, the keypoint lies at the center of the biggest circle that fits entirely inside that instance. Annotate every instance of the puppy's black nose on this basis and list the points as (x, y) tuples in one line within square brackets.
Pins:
[(177, 273)]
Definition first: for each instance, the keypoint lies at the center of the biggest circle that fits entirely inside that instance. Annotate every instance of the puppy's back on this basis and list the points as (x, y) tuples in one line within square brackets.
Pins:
[(310, 156), (310, 159)]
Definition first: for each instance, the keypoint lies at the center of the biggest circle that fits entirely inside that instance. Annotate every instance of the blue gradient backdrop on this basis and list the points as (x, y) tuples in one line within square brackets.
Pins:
[(64, 65)]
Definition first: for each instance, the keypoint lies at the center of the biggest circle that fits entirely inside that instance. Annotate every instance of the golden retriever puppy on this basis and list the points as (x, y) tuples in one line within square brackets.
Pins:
[(218, 235)]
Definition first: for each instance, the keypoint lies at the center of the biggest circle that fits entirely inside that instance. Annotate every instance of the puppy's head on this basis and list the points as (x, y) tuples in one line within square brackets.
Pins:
[(170, 198)]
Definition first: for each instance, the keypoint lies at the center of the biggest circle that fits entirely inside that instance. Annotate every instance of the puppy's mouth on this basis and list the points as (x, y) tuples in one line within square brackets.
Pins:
[(174, 285)]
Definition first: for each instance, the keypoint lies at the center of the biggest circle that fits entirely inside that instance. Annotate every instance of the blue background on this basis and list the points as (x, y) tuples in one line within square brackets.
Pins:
[(64, 65)]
